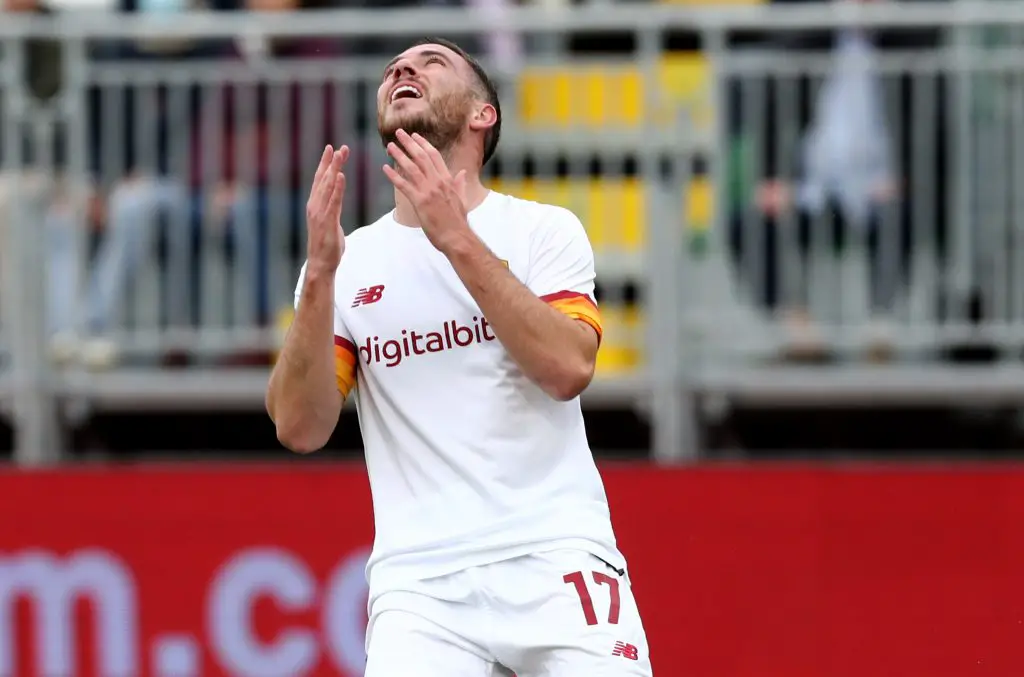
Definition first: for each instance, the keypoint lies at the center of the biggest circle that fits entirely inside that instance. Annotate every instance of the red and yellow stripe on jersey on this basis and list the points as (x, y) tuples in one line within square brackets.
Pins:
[(577, 306), (344, 364)]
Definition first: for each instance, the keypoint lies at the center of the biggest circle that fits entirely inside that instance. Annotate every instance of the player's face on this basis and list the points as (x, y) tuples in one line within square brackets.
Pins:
[(426, 89)]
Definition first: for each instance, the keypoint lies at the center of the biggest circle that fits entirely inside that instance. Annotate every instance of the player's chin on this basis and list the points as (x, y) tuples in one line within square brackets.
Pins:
[(410, 123)]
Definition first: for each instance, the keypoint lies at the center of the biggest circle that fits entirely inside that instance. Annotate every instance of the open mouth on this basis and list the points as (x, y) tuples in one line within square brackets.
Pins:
[(406, 92)]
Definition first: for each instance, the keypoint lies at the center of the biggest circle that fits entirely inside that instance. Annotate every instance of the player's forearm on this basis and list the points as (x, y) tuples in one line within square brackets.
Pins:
[(552, 349), (303, 398)]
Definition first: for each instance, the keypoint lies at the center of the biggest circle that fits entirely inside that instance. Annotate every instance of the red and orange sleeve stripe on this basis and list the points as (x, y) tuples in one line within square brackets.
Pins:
[(577, 306), (345, 364)]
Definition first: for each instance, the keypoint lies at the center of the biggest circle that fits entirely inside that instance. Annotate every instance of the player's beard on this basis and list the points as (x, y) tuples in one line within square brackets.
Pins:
[(441, 124)]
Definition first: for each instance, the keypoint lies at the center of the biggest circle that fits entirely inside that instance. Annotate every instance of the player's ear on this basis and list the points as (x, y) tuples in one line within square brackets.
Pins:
[(484, 117)]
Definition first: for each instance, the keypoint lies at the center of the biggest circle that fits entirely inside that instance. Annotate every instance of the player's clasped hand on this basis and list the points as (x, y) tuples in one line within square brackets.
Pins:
[(438, 197), (325, 241)]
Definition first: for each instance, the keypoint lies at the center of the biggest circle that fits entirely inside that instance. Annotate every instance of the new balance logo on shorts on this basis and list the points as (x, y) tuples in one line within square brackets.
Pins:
[(365, 297), (626, 651)]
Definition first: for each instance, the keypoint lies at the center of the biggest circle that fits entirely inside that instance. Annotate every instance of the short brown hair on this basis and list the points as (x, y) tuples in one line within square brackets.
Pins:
[(490, 91)]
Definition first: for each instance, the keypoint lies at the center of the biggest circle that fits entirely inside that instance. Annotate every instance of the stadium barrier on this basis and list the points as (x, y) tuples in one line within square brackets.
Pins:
[(258, 571), (196, 170)]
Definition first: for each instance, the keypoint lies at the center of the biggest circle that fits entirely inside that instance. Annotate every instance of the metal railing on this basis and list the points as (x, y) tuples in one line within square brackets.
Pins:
[(688, 173)]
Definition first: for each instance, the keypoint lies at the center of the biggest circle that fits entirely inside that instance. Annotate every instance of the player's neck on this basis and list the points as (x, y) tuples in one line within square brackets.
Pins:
[(476, 193)]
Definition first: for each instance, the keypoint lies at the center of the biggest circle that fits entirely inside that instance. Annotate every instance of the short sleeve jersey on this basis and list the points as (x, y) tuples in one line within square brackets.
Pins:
[(469, 461)]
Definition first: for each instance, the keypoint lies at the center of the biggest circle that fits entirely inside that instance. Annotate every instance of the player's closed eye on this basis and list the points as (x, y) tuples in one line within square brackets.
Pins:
[(433, 58)]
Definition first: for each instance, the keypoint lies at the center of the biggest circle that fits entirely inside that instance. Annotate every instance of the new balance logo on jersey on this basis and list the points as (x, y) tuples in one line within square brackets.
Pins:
[(365, 297), (626, 651), (451, 335)]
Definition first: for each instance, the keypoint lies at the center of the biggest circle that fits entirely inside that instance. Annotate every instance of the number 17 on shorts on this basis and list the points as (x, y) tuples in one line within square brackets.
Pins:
[(604, 583), (590, 623)]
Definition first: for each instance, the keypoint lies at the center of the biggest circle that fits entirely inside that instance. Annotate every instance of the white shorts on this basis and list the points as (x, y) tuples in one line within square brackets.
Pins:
[(557, 614)]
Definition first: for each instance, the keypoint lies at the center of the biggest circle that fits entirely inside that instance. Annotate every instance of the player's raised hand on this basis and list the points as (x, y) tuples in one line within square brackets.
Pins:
[(325, 241), (438, 197)]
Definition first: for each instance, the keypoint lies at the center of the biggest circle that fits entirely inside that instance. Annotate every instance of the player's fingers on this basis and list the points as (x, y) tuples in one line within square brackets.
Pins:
[(327, 180), (344, 152), (408, 168), (325, 161), (416, 152), (433, 154), (337, 195)]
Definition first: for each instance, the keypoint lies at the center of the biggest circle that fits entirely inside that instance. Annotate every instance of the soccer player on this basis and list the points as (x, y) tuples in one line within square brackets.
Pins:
[(464, 323)]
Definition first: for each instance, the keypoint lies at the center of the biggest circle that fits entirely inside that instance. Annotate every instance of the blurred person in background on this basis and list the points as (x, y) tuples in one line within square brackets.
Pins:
[(143, 193), (847, 187), (213, 198)]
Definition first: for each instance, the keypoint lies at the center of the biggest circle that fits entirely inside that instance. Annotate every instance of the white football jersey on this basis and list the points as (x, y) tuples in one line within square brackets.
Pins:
[(469, 462)]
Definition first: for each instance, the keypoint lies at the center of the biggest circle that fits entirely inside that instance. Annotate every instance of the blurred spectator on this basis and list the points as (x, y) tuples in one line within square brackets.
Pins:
[(242, 179), (502, 45), (235, 184), (141, 190), (846, 188)]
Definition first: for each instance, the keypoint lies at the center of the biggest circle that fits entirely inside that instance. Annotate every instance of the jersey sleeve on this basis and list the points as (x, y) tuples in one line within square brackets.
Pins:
[(344, 347), (562, 268)]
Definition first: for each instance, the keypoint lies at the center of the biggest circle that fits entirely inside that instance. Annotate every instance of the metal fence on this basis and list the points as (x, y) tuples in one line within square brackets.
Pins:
[(152, 204)]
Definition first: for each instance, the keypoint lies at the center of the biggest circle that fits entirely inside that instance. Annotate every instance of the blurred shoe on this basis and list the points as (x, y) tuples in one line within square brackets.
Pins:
[(99, 353), (880, 340), (804, 341)]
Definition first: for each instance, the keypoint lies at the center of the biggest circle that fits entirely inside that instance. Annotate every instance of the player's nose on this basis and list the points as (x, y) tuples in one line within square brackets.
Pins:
[(403, 67)]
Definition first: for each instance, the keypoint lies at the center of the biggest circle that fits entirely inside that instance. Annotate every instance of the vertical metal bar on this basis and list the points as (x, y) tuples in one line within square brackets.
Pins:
[(180, 169), (995, 229), (887, 270), (244, 214), (142, 113), (26, 451), (215, 137), (787, 139), (959, 269), (821, 244), (673, 417), (226, 296), (79, 165), (316, 100), (1016, 178), (754, 134), (920, 201), (719, 158), (37, 431), (114, 292), (344, 112), (280, 114)]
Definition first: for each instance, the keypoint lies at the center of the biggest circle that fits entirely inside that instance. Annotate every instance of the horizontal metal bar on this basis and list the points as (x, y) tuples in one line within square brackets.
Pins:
[(350, 68), (770, 386), (159, 389), (790, 63), (859, 384), (456, 21)]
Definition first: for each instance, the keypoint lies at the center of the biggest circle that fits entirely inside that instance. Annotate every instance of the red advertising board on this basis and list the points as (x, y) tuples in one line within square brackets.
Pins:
[(739, 572)]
